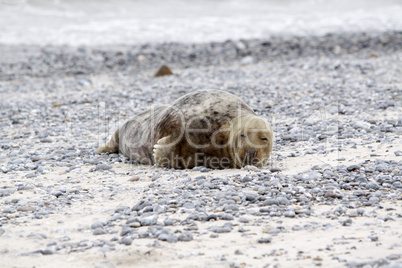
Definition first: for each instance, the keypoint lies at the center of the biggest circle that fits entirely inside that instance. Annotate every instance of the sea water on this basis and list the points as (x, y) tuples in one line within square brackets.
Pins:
[(103, 22)]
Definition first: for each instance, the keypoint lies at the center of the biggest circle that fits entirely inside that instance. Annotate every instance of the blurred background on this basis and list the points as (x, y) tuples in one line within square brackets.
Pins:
[(102, 22)]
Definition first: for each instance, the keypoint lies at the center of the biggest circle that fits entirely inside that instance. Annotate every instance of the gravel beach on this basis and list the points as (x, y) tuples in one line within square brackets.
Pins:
[(331, 195)]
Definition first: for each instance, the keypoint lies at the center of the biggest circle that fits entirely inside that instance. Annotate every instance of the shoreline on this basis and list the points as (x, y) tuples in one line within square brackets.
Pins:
[(46, 61)]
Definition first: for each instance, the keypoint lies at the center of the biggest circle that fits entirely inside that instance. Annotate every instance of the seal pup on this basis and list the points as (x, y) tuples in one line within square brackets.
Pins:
[(210, 128)]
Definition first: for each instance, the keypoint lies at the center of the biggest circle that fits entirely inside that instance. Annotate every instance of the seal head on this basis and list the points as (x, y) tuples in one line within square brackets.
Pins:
[(252, 141)]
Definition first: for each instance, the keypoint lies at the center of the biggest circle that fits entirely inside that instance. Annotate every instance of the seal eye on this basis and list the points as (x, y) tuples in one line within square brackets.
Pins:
[(243, 136), (264, 139)]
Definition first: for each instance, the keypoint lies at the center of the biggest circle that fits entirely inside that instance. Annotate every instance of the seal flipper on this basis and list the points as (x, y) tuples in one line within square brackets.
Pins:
[(111, 146), (163, 152)]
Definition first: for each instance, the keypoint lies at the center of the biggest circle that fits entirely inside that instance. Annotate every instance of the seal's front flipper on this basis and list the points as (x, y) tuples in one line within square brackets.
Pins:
[(163, 152), (111, 146)]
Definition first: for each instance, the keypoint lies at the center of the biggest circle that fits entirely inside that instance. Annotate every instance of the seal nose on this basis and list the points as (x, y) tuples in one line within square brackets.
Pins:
[(249, 157)]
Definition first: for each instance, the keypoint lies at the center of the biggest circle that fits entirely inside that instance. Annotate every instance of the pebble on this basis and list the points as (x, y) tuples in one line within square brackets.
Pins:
[(252, 168), (168, 238), (244, 220), (347, 222), (394, 257), (151, 220), (126, 241), (274, 231), (185, 236), (289, 213), (231, 208), (97, 225), (246, 179), (264, 240), (251, 196), (47, 252), (99, 231), (103, 167), (238, 252), (26, 209)]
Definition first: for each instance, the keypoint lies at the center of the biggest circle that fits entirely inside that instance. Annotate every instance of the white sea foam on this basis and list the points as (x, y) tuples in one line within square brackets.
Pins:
[(101, 22)]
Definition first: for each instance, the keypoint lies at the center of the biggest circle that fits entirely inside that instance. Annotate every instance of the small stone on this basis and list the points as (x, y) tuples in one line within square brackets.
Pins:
[(56, 193), (192, 187), (393, 257), (347, 222), (103, 167), (373, 185), (398, 153), (231, 207), (246, 179), (159, 209), (264, 240), (97, 225), (275, 169), (262, 190), (4, 169), (64, 239), (227, 217), (168, 238), (353, 168), (126, 241), (247, 60), (333, 194), (238, 252), (204, 169), (135, 224), (126, 230), (47, 252), (140, 205), (381, 167), (360, 211), (289, 213), (221, 229), (201, 177), (352, 213), (152, 220), (251, 196), (8, 211), (270, 202), (168, 222), (211, 217), (99, 231), (274, 231), (163, 70), (143, 234), (25, 209), (297, 228), (244, 220), (135, 178), (252, 168), (185, 236)]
